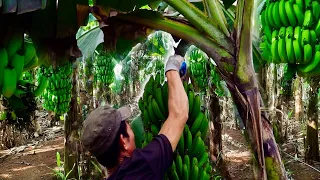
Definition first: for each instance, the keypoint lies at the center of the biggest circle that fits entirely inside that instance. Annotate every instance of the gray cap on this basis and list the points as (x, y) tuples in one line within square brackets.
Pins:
[(101, 127)]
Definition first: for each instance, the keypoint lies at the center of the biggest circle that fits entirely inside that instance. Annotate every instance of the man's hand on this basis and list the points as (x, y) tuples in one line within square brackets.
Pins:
[(174, 63)]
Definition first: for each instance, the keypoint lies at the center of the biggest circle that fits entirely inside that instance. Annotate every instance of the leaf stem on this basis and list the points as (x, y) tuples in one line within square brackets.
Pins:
[(204, 24)]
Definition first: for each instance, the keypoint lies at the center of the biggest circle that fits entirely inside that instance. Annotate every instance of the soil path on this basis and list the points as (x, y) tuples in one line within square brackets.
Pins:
[(31, 164), (239, 165)]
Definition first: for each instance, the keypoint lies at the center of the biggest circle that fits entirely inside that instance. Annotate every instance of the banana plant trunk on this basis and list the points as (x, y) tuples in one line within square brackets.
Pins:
[(312, 144), (71, 144)]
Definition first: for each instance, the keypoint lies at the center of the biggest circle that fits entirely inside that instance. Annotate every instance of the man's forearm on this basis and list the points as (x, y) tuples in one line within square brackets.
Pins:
[(178, 99), (178, 109)]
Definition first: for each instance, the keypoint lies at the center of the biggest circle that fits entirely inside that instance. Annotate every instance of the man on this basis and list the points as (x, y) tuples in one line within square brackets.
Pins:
[(109, 137)]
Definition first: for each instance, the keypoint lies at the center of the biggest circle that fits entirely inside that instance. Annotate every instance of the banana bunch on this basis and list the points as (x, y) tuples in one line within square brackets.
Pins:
[(191, 159), (216, 80), (57, 95), (290, 34), (104, 66), (197, 60), (16, 57)]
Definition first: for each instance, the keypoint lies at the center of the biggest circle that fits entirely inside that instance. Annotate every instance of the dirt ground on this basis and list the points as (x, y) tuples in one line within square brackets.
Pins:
[(239, 165), (32, 164), (35, 163)]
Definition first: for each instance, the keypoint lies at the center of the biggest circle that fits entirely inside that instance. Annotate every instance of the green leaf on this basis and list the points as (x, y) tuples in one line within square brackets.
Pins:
[(9, 6), (58, 159), (25, 6), (228, 3), (124, 5), (89, 41)]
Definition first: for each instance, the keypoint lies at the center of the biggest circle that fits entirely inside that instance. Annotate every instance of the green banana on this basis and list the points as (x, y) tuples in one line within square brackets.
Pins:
[(315, 9), (201, 149), (195, 109), (29, 52), (288, 43), (185, 86), (308, 19), (290, 13), (208, 168), (9, 83), (204, 127), (181, 145), (203, 159), (202, 174), (276, 15), (282, 45), (174, 175), (305, 37), (194, 171), (43, 83), (305, 68), (270, 15), (290, 51), (159, 100), (268, 33), (157, 111), (3, 64), (173, 166), (274, 47), (191, 100), (17, 62), (186, 161), (307, 51), (196, 124), (300, 3), (140, 104), (282, 13), (317, 28), (14, 44), (154, 130), (297, 33), (179, 165), (313, 37), (185, 172), (153, 118), (188, 140), (263, 19), (299, 14), (197, 147)]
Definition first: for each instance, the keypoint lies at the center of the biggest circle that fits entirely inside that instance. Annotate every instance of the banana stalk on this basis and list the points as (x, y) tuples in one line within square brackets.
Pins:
[(214, 11), (201, 22)]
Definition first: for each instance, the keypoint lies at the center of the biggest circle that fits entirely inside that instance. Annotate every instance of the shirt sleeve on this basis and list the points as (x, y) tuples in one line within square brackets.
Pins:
[(158, 153)]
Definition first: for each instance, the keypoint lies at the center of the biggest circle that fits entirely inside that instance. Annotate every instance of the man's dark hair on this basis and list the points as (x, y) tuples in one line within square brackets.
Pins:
[(109, 158)]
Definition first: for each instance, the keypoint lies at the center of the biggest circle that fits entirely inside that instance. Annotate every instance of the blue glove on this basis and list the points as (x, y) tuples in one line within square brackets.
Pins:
[(183, 69)]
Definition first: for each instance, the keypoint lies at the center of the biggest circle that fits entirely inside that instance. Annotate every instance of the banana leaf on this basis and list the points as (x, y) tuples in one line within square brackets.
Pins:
[(89, 41)]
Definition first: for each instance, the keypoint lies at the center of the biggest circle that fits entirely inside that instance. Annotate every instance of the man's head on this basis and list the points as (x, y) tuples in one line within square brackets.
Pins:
[(108, 135)]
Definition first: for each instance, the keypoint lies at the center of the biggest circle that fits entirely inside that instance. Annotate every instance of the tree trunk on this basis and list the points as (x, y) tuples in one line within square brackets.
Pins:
[(312, 144), (216, 129), (298, 99), (71, 145)]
